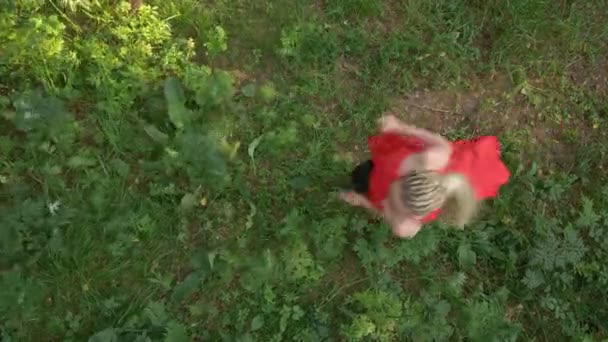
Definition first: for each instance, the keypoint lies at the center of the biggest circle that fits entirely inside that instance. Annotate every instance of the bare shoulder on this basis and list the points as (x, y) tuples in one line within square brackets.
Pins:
[(436, 158), (414, 162)]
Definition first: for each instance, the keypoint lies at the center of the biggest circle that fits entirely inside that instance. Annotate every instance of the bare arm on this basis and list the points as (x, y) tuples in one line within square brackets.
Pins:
[(358, 200), (438, 149), (402, 227), (406, 228)]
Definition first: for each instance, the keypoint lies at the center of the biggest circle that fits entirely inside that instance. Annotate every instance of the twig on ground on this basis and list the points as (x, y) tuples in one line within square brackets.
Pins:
[(430, 108)]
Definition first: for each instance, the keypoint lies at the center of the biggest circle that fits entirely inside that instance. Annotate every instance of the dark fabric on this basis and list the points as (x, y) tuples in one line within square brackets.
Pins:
[(360, 177)]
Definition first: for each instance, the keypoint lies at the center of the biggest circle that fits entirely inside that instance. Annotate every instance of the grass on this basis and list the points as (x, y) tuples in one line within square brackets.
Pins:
[(168, 174)]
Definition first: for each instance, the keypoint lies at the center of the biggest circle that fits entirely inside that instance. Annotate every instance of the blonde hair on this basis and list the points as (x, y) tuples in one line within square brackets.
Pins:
[(460, 205)]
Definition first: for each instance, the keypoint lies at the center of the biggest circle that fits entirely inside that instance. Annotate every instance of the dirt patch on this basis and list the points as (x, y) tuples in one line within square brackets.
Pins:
[(444, 111), (494, 106), (346, 78), (484, 110), (593, 78), (393, 16), (240, 77), (490, 107), (513, 311)]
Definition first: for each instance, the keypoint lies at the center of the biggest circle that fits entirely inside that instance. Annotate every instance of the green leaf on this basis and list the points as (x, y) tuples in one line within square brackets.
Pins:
[(466, 256), (362, 326), (81, 161), (533, 279), (257, 323), (457, 281), (217, 41), (188, 202), (251, 149), (252, 146), (267, 92), (442, 308), (176, 103), (205, 163), (300, 182), (203, 260), (5, 102), (120, 167), (588, 217), (106, 335), (329, 236), (253, 210), (36, 111), (176, 332), (155, 134), (230, 149), (211, 258), (187, 287), (248, 90), (156, 313)]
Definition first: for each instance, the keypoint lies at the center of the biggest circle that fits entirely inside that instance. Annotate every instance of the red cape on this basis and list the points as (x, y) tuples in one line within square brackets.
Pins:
[(477, 159)]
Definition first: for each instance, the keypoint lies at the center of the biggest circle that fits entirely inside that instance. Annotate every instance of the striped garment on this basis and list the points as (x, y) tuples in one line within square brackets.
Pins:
[(422, 192)]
